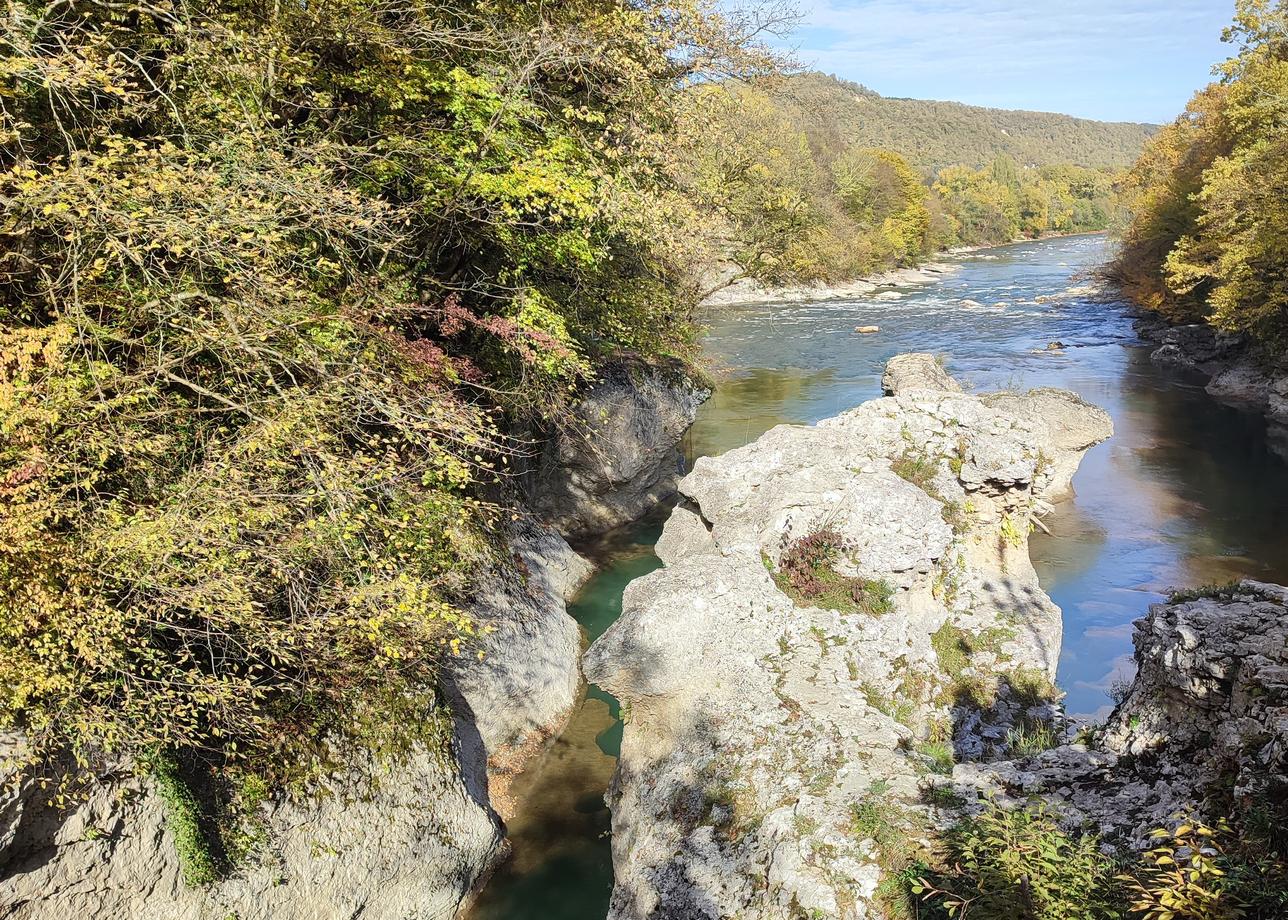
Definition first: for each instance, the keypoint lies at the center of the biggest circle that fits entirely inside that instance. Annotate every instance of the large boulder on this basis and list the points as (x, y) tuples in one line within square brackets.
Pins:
[(622, 455), (917, 371), (757, 720)]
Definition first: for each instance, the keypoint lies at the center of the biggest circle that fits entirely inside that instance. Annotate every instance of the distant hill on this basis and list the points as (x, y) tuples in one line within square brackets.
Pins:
[(836, 114)]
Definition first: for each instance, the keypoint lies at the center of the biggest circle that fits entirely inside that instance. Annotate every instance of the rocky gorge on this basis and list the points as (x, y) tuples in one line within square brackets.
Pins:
[(415, 835), (846, 651)]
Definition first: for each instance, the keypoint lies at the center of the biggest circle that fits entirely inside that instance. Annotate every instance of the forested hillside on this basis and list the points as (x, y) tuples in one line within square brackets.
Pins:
[(1208, 239), (790, 165), (837, 114)]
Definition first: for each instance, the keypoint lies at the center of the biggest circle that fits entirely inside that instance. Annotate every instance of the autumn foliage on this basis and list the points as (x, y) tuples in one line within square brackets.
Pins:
[(276, 282)]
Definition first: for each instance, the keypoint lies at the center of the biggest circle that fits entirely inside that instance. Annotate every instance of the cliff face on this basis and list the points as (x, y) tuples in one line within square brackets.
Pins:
[(622, 455), (758, 721), (400, 840), (1238, 372)]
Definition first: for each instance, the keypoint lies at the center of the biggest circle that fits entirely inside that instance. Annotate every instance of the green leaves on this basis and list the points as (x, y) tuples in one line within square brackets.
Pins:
[(1209, 228)]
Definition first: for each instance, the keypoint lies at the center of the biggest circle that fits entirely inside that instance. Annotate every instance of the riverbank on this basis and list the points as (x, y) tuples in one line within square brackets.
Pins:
[(1235, 370), (747, 290), (883, 284), (1185, 493)]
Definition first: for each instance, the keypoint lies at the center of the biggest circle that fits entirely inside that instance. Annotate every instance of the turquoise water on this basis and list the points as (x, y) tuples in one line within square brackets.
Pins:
[(1188, 491), (562, 866)]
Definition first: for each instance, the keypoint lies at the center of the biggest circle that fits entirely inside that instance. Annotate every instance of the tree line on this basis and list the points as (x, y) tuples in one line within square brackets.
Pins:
[(800, 203), (1208, 236)]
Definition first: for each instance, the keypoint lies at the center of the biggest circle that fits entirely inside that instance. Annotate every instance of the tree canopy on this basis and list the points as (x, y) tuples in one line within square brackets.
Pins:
[(1208, 238), (278, 281)]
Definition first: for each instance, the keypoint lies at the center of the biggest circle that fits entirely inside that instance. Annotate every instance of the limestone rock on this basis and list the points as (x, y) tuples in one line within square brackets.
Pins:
[(1244, 381), (1206, 716), (622, 456), (756, 723), (410, 846), (523, 689), (1198, 347), (918, 371)]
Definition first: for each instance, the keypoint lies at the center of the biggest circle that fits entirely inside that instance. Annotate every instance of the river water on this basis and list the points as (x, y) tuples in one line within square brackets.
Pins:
[(1187, 492)]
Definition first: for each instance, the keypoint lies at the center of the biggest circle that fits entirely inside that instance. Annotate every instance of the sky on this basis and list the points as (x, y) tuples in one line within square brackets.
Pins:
[(1118, 60)]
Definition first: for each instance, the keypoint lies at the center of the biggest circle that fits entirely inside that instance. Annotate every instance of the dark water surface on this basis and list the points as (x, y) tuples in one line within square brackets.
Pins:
[(1187, 492)]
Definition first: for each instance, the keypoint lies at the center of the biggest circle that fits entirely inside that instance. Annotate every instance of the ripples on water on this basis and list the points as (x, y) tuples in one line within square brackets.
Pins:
[(1187, 492)]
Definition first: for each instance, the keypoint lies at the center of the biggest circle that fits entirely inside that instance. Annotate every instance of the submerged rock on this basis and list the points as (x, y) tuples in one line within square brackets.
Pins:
[(760, 724), (622, 456), (410, 837)]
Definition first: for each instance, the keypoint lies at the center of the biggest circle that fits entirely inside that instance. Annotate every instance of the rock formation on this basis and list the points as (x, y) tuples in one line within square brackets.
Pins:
[(1238, 372), (1203, 727), (622, 456), (396, 840), (761, 716)]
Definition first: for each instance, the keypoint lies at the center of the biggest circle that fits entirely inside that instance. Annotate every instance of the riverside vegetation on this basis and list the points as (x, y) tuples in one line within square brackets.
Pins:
[(281, 288), (796, 173), (287, 292), (1208, 236)]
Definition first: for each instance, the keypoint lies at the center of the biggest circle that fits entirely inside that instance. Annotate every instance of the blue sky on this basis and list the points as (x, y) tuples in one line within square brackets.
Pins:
[(1130, 60)]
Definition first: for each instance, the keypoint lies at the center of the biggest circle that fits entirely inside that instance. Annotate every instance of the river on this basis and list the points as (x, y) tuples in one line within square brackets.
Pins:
[(1187, 492)]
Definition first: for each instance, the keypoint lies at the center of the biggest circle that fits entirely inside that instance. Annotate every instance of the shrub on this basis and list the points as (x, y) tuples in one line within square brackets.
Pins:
[(1010, 864), (276, 282), (807, 574), (1197, 871)]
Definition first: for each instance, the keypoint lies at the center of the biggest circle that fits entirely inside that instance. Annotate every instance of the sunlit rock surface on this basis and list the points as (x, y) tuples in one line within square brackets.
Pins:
[(622, 454), (1204, 723), (755, 724)]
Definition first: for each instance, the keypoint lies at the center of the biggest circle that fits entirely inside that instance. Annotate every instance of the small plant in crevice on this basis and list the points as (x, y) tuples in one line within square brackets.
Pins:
[(807, 574), (1119, 690), (1182, 596), (943, 796), (1031, 736), (188, 818), (938, 756), (876, 818), (917, 469), (1013, 534)]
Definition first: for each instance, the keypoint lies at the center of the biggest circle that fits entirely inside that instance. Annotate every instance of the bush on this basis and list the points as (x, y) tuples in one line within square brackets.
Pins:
[(807, 574), (278, 280), (1007, 865)]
